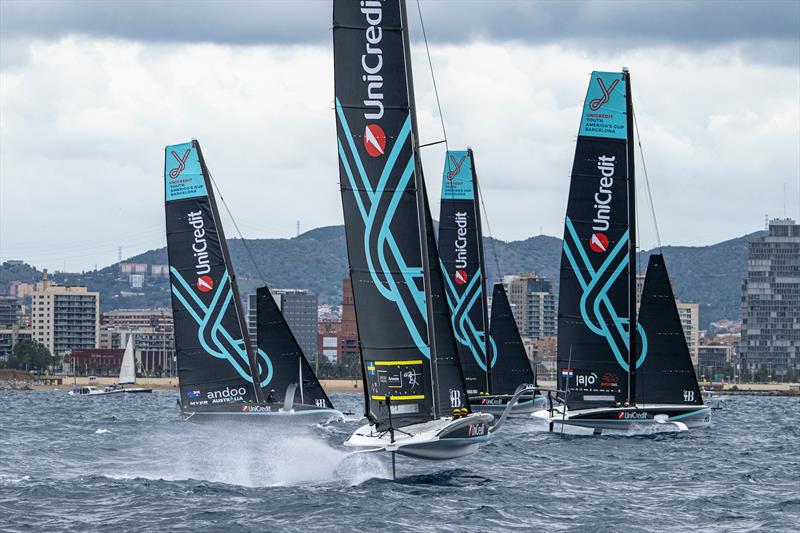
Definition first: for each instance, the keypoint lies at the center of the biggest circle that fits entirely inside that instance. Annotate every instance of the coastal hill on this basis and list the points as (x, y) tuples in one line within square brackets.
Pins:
[(316, 260)]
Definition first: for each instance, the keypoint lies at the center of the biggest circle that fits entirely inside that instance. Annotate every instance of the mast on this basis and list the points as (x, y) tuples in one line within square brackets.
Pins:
[(237, 301), (632, 323), (484, 275), (421, 202)]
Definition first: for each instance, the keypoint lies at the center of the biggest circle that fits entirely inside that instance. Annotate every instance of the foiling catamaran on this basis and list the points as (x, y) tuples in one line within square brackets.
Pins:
[(614, 376), (415, 395), (221, 376), (494, 367)]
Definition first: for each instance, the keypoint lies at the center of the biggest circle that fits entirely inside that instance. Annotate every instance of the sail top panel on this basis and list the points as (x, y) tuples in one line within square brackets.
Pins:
[(214, 362), (183, 174), (604, 111), (457, 182)]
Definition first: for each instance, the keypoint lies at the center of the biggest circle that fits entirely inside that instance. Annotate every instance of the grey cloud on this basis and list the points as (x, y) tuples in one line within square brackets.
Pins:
[(292, 22)]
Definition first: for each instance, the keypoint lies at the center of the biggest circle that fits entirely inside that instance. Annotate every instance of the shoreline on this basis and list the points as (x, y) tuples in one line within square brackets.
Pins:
[(18, 381), (159, 384)]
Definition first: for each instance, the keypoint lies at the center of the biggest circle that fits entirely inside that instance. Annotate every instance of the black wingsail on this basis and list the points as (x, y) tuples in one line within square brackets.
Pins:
[(594, 303), (384, 214), (211, 341), (290, 366), (667, 375), (450, 384), (461, 251), (516, 367)]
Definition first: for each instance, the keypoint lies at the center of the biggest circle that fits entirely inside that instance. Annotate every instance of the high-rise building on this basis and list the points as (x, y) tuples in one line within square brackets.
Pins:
[(690, 320), (771, 301), (10, 336), (533, 302), (9, 310), (65, 318), (299, 308)]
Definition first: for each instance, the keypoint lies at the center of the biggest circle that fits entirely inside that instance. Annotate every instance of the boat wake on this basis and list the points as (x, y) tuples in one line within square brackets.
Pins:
[(249, 457)]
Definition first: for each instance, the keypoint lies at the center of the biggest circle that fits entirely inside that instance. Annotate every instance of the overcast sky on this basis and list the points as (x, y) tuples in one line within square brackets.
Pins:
[(90, 92)]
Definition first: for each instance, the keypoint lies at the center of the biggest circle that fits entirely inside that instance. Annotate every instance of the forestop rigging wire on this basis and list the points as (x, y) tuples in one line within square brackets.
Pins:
[(446, 144), (236, 226), (647, 182)]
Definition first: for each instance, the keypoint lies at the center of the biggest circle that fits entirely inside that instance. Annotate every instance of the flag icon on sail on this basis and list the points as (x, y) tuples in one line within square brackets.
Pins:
[(567, 373)]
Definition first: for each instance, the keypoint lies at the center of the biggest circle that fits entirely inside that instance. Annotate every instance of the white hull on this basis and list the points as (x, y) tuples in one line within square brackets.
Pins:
[(522, 407), (437, 440), (92, 391), (308, 416), (627, 418)]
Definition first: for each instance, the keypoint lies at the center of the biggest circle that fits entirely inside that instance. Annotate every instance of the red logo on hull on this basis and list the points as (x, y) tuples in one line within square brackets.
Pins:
[(598, 242), (374, 140), (460, 277), (205, 283)]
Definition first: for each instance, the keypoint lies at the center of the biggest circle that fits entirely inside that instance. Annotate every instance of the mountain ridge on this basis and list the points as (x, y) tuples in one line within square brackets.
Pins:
[(316, 260)]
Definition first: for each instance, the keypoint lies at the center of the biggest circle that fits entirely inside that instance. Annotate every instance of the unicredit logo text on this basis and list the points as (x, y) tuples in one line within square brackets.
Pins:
[(372, 59), (200, 245), (461, 240), (602, 203)]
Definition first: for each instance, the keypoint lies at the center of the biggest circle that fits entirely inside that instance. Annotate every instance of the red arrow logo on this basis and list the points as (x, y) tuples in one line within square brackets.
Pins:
[(374, 140), (460, 277), (205, 283), (599, 242)]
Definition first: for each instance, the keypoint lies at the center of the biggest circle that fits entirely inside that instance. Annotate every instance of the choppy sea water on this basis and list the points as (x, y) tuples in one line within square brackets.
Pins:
[(129, 463)]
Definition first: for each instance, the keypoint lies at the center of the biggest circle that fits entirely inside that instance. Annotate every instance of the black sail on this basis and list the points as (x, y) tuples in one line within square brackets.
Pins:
[(595, 282), (212, 346), (514, 367), (461, 252), (667, 375), (290, 366), (381, 198), (450, 384)]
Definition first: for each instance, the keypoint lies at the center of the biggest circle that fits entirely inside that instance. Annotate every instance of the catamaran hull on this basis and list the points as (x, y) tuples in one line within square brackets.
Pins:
[(627, 418), (302, 414), (495, 406), (438, 440)]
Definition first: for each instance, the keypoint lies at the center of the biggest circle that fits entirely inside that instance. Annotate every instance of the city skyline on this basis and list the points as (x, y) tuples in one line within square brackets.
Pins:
[(92, 101)]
